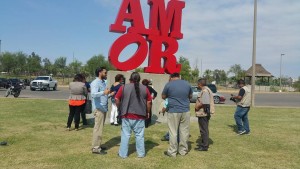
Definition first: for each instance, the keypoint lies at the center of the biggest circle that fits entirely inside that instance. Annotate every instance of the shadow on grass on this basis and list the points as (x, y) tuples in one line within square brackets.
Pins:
[(91, 123), (153, 121), (148, 146), (233, 127), (112, 142), (198, 141)]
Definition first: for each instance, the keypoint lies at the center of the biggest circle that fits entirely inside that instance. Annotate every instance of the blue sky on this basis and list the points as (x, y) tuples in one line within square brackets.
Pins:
[(217, 32)]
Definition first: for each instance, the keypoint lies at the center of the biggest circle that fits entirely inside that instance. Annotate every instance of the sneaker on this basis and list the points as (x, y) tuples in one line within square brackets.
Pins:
[(98, 151), (241, 132), (3, 143), (168, 154), (68, 129), (247, 133), (201, 149), (103, 148)]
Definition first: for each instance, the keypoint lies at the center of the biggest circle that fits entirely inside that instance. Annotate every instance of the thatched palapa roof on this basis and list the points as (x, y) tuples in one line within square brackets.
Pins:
[(260, 71)]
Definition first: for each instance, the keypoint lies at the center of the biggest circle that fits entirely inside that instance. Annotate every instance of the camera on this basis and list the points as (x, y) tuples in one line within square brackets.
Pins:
[(232, 99)]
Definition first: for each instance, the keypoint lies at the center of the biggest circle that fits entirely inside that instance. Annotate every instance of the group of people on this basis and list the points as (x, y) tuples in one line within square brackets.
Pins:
[(132, 102)]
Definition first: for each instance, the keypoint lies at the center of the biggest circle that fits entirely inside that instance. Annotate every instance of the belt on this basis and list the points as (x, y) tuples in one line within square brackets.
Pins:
[(243, 107)]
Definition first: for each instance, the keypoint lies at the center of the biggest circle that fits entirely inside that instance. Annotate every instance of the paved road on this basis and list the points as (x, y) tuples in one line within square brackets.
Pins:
[(60, 93), (261, 99), (272, 99)]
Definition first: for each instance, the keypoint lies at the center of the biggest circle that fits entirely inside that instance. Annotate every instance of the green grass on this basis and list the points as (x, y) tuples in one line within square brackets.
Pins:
[(35, 131)]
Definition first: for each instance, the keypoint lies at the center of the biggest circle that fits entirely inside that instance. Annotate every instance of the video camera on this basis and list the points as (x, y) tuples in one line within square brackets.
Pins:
[(232, 99)]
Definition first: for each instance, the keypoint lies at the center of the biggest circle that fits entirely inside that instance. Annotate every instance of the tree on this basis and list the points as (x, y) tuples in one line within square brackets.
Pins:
[(60, 66), (185, 69), (139, 69), (7, 60), (208, 75), (95, 62), (75, 67), (223, 76), (220, 76), (34, 64), (296, 85), (195, 75), (237, 71), (20, 63), (48, 67)]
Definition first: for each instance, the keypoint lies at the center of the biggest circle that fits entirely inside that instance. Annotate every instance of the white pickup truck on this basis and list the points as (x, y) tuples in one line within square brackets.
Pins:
[(43, 83)]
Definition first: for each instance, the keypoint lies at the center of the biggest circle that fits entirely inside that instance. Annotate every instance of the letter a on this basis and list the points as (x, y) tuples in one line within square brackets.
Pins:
[(130, 11)]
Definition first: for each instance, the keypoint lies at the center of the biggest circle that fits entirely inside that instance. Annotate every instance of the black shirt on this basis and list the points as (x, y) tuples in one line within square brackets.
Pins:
[(242, 92)]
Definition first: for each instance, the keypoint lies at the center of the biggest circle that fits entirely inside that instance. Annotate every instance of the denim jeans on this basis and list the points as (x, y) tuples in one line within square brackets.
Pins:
[(138, 127), (241, 118)]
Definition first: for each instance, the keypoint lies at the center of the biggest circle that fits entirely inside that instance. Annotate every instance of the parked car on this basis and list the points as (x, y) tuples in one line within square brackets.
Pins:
[(26, 82), (15, 81), (212, 87), (4, 83), (43, 83), (218, 98)]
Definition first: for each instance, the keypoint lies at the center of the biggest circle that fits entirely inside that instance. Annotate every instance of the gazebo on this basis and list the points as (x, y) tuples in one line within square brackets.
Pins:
[(260, 72)]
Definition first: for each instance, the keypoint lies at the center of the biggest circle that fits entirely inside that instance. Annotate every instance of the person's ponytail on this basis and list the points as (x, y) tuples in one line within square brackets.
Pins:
[(135, 78)]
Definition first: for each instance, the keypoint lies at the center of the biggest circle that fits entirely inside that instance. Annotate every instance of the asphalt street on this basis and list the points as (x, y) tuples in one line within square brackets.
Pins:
[(261, 99)]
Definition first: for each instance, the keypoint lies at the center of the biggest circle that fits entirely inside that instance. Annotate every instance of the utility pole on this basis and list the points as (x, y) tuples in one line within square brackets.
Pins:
[(280, 71), (254, 57), (201, 69), (0, 48)]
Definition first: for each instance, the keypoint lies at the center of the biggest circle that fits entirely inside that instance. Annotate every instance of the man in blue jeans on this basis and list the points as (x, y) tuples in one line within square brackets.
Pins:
[(134, 101), (243, 101)]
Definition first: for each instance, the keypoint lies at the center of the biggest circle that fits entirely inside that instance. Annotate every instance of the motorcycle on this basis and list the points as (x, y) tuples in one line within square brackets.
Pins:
[(14, 90)]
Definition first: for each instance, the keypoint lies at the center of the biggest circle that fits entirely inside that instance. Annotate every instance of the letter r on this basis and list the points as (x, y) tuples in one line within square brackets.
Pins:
[(156, 54)]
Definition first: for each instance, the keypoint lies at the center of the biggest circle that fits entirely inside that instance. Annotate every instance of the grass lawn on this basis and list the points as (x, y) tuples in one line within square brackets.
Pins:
[(35, 132)]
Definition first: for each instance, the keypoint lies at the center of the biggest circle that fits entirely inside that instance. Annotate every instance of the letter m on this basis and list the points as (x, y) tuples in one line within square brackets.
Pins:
[(166, 21)]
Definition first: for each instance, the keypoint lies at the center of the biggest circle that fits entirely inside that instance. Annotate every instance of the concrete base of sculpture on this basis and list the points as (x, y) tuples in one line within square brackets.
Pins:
[(158, 83)]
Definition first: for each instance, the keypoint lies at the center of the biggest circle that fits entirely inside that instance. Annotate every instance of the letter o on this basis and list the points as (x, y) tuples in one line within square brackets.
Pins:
[(118, 46)]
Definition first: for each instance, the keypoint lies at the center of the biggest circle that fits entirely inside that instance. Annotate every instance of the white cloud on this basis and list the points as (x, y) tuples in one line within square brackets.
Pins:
[(220, 32)]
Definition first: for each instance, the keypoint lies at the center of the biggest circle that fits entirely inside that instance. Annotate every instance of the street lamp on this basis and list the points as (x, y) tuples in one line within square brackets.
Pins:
[(280, 70), (0, 47), (254, 56)]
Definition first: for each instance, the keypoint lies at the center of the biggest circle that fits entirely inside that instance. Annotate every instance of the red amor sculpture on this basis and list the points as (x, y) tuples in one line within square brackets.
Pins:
[(164, 30)]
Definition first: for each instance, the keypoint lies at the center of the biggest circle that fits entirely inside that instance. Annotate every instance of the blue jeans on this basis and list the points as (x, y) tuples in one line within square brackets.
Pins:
[(138, 127), (241, 118)]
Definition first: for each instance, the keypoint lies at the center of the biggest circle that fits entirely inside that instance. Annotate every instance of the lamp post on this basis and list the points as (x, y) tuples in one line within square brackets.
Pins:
[(0, 47), (254, 56), (280, 70)]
